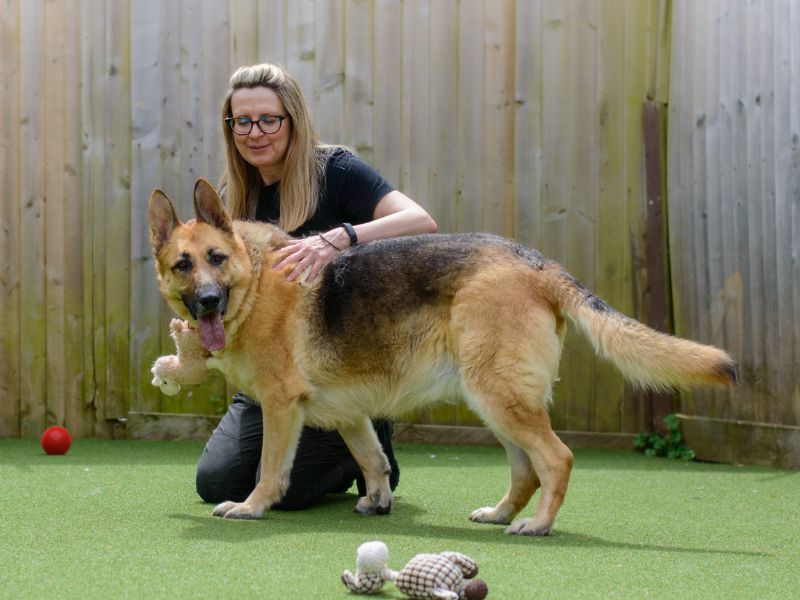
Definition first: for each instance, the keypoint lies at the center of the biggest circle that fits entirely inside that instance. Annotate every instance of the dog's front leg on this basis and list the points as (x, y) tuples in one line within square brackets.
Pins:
[(363, 443), (282, 427)]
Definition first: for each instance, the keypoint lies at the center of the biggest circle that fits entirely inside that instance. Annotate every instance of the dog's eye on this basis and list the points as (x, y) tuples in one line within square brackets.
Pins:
[(183, 265), (217, 258)]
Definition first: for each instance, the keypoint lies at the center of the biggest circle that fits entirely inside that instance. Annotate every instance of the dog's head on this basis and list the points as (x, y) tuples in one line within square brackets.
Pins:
[(202, 265)]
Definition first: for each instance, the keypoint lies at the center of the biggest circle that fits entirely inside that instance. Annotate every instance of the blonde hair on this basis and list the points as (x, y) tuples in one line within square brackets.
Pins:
[(304, 165)]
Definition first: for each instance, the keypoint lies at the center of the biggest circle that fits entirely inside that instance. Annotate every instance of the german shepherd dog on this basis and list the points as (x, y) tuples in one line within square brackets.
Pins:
[(390, 326)]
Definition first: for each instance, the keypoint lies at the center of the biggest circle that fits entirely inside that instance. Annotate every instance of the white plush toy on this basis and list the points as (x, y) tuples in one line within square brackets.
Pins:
[(445, 576), (371, 569), (188, 367)]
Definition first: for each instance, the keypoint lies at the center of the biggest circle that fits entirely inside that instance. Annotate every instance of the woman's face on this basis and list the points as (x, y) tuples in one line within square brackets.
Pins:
[(265, 151)]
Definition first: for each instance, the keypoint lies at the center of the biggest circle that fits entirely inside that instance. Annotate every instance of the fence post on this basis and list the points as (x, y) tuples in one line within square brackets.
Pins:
[(657, 405)]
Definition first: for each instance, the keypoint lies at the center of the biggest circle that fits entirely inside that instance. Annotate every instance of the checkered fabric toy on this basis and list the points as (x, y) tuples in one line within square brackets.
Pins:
[(445, 576)]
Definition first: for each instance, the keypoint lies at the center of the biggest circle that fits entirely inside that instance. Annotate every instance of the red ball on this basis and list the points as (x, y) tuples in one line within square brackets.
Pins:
[(56, 440)]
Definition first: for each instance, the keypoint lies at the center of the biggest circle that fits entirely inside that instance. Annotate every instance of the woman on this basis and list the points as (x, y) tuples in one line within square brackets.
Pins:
[(278, 171)]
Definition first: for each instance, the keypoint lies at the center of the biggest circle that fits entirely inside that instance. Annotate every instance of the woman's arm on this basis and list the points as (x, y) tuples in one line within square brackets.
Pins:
[(395, 215)]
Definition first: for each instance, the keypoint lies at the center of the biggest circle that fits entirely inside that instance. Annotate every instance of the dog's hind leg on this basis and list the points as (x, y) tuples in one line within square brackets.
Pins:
[(552, 461), (509, 355), (363, 443), (527, 424), (524, 484)]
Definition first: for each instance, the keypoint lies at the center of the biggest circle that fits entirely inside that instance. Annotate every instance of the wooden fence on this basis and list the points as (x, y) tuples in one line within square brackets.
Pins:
[(519, 117), (734, 198)]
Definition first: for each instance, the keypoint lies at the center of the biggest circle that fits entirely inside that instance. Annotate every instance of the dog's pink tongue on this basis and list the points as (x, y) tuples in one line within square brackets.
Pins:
[(212, 332)]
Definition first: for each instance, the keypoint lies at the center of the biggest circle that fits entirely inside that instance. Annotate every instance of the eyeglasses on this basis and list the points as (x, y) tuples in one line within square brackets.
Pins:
[(266, 123)]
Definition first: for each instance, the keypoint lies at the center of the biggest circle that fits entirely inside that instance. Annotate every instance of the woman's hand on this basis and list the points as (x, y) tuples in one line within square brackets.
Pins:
[(312, 253)]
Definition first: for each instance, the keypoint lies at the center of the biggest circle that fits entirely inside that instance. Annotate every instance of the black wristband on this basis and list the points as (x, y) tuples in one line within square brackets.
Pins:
[(351, 233)]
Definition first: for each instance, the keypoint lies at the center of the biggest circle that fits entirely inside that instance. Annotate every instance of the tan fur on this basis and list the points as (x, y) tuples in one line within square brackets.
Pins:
[(489, 330)]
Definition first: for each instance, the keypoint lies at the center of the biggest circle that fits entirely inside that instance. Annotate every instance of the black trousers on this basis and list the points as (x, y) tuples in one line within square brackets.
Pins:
[(229, 467)]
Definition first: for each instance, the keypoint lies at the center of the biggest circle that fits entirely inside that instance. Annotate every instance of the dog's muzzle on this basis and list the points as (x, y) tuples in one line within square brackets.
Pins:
[(205, 301), (208, 307)]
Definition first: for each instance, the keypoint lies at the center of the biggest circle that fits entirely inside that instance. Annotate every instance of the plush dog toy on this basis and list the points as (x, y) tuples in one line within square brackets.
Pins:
[(445, 576), (188, 367)]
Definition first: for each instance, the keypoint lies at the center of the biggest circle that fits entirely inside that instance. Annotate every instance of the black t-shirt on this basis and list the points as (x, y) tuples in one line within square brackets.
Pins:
[(349, 194)]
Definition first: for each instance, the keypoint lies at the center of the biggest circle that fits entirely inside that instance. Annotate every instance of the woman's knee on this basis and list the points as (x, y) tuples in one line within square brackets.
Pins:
[(216, 482)]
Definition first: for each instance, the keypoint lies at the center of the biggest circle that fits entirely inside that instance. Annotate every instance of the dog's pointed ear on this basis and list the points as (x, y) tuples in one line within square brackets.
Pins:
[(209, 208), (163, 219)]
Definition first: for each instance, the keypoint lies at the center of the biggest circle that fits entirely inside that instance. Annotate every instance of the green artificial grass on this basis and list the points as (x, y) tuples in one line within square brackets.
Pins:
[(121, 520)]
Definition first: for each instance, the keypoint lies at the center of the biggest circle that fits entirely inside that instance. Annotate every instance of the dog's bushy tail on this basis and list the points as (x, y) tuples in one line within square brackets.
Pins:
[(646, 357)]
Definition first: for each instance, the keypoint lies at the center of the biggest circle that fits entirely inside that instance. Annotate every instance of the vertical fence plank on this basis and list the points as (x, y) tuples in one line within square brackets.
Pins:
[(779, 225), (10, 232), (300, 37), (443, 121), (97, 186), (116, 233), (92, 47), (682, 126), (215, 67), (740, 340), (358, 70), (271, 44), (80, 421), (415, 142), (732, 185), (556, 101), (528, 122), (755, 371), (77, 418), (470, 151), (328, 97), (388, 91), (56, 120), (498, 117), (793, 192), (247, 27), (33, 374)]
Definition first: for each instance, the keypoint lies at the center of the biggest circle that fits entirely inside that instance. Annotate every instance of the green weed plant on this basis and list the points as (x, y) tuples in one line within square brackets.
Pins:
[(670, 445)]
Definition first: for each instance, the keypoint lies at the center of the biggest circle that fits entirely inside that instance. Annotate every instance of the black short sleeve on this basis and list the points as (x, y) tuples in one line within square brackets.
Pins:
[(357, 186), (350, 193)]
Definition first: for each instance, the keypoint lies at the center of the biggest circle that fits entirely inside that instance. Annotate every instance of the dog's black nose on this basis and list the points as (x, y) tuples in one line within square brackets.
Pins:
[(209, 300)]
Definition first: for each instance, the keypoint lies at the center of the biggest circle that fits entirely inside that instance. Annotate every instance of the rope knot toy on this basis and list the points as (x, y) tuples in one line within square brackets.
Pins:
[(444, 576)]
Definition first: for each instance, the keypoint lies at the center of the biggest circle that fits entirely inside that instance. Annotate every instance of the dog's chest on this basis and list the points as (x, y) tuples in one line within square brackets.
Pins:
[(236, 371)]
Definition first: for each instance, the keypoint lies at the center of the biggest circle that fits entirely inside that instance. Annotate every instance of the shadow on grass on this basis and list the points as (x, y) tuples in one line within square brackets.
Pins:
[(335, 515)]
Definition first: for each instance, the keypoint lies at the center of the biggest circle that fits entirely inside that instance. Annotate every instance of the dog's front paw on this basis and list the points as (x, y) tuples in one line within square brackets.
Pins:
[(528, 527), (489, 514), (237, 510), (375, 504), (178, 326)]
